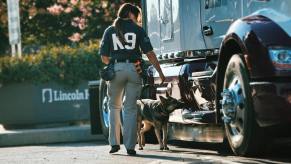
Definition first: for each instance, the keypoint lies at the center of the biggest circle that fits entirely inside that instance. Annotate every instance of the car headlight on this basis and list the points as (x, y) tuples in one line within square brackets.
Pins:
[(281, 58)]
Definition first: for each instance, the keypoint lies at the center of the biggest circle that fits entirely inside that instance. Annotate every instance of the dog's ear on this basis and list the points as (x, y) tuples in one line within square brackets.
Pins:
[(167, 94), (163, 99)]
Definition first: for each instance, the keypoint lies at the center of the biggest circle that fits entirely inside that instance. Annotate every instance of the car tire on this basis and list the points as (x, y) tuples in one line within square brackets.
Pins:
[(244, 135), (104, 108)]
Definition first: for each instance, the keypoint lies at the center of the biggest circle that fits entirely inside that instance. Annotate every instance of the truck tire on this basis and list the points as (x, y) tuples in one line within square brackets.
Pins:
[(244, 135), (104, 108)]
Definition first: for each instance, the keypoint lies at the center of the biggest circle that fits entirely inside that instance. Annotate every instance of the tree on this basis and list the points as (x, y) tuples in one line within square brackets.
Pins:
[(61, 21), (3, 28)]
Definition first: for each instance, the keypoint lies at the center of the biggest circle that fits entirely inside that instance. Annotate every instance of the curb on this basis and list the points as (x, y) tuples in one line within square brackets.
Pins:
[(48, 135)]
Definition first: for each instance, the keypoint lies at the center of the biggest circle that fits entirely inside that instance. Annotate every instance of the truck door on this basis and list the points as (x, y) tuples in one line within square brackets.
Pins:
[(217, 16), (153, 23)]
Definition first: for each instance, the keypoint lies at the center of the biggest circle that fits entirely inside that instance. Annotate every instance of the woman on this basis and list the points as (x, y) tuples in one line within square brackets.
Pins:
[(122, 44)]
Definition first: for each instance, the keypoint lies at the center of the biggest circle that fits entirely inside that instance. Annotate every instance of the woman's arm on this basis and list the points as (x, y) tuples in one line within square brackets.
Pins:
[(153, 59)]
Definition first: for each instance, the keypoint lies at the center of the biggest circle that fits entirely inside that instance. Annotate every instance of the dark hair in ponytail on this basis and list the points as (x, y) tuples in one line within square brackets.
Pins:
[(122, 14)]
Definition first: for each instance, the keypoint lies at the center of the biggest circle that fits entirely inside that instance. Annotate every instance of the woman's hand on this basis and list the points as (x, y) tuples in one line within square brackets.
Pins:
[(153, 59), (105, 59)]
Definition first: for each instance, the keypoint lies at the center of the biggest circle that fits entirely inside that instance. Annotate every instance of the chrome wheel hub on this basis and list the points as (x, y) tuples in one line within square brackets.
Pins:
[(233, 109), (105, 111), (228, 106), (232, 102)]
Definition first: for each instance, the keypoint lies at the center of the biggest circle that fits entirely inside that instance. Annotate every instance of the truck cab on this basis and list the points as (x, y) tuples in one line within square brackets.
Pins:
[(229, 61)]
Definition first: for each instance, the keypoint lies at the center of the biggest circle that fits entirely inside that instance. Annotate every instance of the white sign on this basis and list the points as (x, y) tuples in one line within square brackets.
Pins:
[(13, 21), (49, 95)]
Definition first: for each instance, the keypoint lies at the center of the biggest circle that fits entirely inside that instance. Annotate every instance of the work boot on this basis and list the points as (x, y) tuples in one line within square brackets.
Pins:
[(114, 149)]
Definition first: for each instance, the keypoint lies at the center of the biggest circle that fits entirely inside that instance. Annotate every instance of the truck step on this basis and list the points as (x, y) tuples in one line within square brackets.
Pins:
[(194, 132), (207, 116)]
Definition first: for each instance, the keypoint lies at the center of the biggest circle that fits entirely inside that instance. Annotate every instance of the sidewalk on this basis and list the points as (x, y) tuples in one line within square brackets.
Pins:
[(47, 135)]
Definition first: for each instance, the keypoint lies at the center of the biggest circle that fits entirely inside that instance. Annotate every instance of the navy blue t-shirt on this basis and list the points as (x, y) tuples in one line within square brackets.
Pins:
[(136, 41)]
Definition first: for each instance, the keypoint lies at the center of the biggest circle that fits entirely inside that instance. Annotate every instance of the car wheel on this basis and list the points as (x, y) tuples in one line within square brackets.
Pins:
[(241, 130), (104, 108)]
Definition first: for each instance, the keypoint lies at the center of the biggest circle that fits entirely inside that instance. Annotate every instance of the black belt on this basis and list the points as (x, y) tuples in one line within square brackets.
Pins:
[(125, 61)]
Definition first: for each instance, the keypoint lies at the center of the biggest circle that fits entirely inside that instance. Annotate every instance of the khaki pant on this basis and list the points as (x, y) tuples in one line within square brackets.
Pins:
[(128, 83)]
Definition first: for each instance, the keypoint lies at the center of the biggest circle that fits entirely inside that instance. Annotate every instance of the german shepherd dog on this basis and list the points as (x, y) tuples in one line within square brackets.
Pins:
[(155, 113)]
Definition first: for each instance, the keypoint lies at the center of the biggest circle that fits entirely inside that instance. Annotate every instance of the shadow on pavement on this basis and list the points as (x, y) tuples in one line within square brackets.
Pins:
[(276, 153), (162, 157), (78, 144)]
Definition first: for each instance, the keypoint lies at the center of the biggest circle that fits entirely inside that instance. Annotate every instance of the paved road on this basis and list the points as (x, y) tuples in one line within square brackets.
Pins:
[(97, 153)]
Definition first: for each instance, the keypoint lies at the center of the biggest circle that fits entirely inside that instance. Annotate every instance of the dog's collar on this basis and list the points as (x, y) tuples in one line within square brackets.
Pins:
[(164, 114)]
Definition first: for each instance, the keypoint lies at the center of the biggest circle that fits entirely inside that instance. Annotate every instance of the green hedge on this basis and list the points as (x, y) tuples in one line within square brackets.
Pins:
[(64, 65)]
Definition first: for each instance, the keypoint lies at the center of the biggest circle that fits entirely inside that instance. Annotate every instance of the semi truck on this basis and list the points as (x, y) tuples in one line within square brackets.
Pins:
[(229, 61)]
